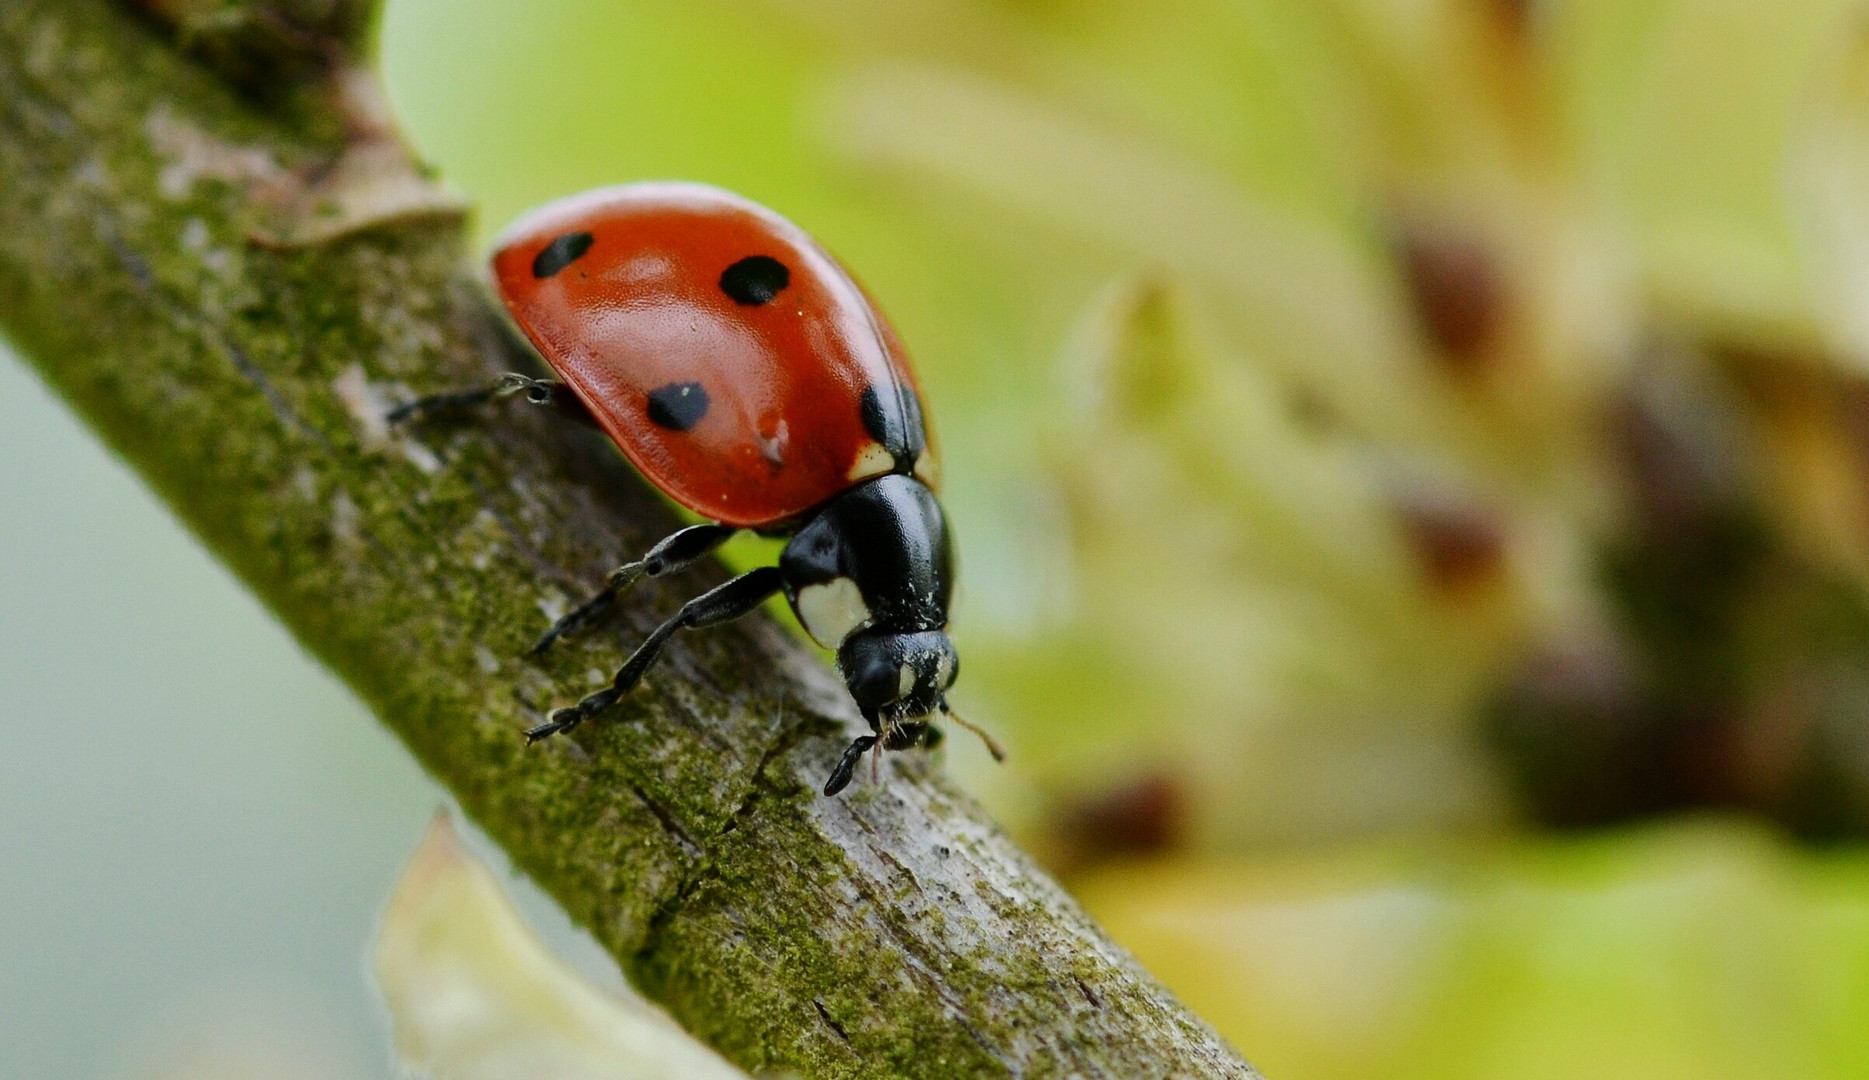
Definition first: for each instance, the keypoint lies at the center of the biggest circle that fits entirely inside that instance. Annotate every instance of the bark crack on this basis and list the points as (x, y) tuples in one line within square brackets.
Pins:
[(667, 821), (836, 1028)]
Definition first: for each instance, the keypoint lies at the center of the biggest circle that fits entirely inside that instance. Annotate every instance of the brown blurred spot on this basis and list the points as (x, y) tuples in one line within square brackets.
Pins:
[(1461, 547), (1513, 16), (1591, 744), (1143, 816), (1853, 418), (1812, 420), (1849, 412), (1459, 292)]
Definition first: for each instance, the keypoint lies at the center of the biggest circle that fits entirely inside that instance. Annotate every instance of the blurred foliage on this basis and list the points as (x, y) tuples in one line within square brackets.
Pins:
[(1362, 418), (1706, 951)]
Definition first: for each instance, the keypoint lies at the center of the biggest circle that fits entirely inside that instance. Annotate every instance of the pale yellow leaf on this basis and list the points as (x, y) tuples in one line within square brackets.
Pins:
[(474, 995)]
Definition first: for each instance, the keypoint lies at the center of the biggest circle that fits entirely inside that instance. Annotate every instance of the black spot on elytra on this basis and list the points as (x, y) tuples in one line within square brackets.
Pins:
[(756, 279), (678, 406), (560, 253)]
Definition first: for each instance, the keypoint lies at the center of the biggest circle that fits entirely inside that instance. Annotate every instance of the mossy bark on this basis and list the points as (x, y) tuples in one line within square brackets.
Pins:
[(213, 245)]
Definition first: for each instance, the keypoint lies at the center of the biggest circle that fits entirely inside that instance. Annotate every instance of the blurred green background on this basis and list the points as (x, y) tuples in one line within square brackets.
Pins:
[(1411, 466)]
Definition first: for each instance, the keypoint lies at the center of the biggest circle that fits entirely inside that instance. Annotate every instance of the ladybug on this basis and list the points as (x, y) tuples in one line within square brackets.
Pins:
[(744, 373)]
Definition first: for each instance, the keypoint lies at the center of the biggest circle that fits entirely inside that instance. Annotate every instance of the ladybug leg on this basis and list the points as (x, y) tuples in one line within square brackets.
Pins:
[(840, 776), (547, 392), (682, 548), (722, 604)]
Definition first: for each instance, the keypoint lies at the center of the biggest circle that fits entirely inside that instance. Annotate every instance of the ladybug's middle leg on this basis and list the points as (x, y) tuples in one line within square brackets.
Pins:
[(549, 393), (721, 604), (682, 548)]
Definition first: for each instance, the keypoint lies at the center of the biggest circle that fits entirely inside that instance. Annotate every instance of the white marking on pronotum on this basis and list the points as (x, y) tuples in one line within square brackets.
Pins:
[(928, 470), (832, 610), (872, 460), (905, 683)]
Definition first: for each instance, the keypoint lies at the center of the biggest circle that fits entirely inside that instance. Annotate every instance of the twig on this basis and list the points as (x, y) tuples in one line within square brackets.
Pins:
[(213, 245)]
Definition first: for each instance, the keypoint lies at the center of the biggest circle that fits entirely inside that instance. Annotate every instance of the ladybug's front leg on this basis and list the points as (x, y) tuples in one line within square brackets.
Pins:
[(680, 549), (846, 765), (546, 392), (727, 602)]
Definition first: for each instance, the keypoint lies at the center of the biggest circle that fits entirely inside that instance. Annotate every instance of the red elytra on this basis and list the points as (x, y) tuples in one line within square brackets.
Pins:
[(741, 398)]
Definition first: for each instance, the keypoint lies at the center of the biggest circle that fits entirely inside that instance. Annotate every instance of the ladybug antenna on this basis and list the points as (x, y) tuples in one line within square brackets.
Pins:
[(992, 745), (876, 762)]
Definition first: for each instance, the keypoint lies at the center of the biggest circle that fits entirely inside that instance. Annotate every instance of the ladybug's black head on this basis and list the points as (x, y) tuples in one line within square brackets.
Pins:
[(898, 679)]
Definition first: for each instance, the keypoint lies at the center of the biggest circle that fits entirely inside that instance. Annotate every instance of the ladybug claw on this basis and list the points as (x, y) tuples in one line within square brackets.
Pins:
[(595, 608), (422, 408), (562, 720), (513, 382)]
